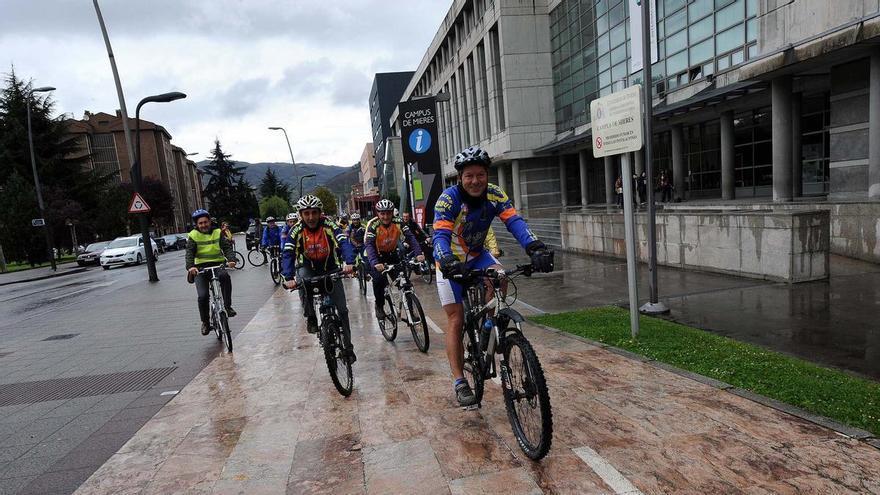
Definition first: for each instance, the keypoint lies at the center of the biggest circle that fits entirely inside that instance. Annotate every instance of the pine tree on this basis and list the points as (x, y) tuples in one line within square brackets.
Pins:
[(271, 185), (224, 177)]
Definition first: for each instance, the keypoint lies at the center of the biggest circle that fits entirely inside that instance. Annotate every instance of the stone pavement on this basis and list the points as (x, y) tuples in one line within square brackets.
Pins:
[(268, 420)]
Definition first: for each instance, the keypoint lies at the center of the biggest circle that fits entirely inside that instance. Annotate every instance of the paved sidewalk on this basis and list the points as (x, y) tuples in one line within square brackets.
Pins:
[(41, 273), (268, 420)]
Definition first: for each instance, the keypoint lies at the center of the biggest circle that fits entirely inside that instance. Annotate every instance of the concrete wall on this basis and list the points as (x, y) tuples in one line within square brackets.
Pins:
[(784, 22), (849, 130), (788, 246)]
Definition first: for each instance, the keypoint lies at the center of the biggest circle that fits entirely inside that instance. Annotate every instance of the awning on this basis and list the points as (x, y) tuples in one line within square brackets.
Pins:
[(708, 97), (571, 141)]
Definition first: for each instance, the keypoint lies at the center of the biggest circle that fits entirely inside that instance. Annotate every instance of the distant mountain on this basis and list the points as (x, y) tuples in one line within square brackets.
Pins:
[(334, 177)]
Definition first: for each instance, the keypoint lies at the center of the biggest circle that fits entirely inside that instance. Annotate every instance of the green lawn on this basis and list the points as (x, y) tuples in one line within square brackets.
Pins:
[(17, 267), (835, 394)]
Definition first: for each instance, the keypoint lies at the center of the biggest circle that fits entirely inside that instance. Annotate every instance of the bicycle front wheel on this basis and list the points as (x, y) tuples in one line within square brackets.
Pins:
[(239, 261), (256, 257), (526, 397), (473, 368), (362, 278), (224, 331), (334, 355), (417, 323), (388, 325), (274, 271), (427, 274)]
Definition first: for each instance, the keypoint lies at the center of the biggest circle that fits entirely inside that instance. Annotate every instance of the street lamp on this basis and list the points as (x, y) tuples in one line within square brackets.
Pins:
[(301, 183), (46, 229), (137, 177), (292, 161)]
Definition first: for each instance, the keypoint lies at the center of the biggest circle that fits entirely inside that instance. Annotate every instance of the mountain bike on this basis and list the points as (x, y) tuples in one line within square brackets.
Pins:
[(330, 333), (257, 256), (239, 260), (425, 270), (219, 320), (275, 264), (402, 304), (360, 267), (523, 384)]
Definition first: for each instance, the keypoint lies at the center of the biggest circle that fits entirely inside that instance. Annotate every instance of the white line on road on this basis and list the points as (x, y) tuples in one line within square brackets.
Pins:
[(433, 325), (91, 287), (607, 472), (530, 307)]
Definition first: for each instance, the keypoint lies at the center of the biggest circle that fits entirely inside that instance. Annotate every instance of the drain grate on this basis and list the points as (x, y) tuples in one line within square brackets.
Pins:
[(63, 336), (80, 386)]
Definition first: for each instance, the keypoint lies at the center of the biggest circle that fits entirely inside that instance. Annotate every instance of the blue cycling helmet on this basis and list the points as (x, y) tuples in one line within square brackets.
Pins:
[(200, 213)]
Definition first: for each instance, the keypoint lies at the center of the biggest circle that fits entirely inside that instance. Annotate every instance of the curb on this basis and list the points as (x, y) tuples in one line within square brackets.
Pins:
[(842, 429), (44, 277)]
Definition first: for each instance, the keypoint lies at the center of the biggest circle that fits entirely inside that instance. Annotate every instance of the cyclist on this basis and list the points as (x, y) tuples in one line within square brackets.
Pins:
[(383, 233), (343, 222), (355, 233), (207, 246), (312, 249), (466, 210), (289, 221), (271, 234), (421, 236), (227, 233)]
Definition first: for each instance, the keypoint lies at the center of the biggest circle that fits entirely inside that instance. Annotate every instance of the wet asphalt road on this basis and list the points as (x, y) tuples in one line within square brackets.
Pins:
[(120, 323)]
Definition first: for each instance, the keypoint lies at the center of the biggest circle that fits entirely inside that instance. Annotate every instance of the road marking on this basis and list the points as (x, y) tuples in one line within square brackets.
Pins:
[(91, 287), (433, 325), (170, 392), (530, 307), (607, 472)]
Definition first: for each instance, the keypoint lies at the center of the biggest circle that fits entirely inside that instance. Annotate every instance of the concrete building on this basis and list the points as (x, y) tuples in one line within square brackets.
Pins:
[(368, 176), (101, 137), (388, 87)]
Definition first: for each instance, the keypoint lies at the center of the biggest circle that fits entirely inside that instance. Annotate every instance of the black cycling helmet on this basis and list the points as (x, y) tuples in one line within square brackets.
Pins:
[(470, 156)]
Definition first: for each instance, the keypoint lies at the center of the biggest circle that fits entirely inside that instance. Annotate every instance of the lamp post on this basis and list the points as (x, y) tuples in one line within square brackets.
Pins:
[(137, 177), (301, 183), (46, 230), (292, 161)]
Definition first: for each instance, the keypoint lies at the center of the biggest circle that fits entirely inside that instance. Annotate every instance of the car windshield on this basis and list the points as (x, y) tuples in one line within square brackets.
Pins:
[(123, 242), (95, 246), (170, 238)]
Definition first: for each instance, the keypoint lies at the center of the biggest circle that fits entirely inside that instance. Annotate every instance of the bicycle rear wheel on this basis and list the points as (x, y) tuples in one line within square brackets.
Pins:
[(417, 323), (362, 278), (256, 257), (274, 271), (388, 325), (215, 324), (224, 331), (337, 365), (427, 273), (526, 397), (239, 261), (473, 359)]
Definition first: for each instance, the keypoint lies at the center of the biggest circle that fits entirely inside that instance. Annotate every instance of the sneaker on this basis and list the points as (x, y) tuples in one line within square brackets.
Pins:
[(350, 356), (206, 329), (312, 325), (464, 394), (230, 312), (380, 312)]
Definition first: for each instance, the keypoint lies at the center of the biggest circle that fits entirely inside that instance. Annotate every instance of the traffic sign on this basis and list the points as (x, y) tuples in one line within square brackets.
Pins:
[(617, 122), (138, 205), (38, 222)]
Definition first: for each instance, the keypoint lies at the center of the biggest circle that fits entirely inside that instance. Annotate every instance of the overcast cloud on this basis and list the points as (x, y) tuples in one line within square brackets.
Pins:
[(244, 65)]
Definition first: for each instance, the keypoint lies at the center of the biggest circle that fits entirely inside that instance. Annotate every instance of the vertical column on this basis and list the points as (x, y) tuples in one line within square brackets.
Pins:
[(797, 158), (781, 122), (728, 190), (874, 128), (610, 177), (502, 176), (678, 161), (582, 162), (517, 190), (640, 162), (563, 181)]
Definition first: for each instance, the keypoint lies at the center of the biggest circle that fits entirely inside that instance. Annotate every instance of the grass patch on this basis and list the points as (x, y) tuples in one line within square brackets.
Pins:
[(17, 267), (848, 399)]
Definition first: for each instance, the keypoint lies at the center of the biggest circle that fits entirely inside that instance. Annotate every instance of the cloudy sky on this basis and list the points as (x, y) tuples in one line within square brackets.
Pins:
[(306, 65)]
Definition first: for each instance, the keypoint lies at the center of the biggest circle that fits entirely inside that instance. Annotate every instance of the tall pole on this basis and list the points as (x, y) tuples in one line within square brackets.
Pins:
[(292, 161), (46, 230), (301, 183), (119, 94), (653, 306), (137, 179)]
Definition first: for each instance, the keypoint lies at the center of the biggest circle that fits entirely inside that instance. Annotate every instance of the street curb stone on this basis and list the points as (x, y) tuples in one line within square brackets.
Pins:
[(845, 430), (44, 277)]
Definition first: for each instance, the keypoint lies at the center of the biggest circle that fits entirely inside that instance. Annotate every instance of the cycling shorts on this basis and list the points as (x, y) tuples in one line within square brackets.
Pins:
[(450, 291)]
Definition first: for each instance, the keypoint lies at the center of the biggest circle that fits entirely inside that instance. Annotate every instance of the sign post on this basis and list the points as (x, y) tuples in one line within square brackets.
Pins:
[(617, 130), (421, 155)]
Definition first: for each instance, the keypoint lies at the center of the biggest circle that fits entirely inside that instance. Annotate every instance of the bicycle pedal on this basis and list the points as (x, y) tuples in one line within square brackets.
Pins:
[(473, 407)]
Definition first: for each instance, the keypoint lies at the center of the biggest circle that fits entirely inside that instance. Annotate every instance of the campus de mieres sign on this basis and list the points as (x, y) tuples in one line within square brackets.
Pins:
[(418, 133), (617, 122)]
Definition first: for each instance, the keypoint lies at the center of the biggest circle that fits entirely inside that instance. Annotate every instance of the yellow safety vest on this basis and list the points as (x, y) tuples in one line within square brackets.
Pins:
[(207, 247)]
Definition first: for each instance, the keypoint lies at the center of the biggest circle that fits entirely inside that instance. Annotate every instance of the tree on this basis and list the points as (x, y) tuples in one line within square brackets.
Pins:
[(273, 206), (19, 205), (271, 185), (228, 193), (327, 198)]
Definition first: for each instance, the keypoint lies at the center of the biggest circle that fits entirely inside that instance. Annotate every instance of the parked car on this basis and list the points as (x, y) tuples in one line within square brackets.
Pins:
[(91, 255), (174, 241), (160, 243), (125, 251)]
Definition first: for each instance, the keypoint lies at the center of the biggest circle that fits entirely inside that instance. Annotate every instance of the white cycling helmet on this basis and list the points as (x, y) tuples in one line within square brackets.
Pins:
[(355, 216), (291, 216), (309, 202), (384, 205)]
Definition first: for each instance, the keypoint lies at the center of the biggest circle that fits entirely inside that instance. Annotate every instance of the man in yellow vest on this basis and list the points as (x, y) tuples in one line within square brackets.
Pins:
[(207, 246)]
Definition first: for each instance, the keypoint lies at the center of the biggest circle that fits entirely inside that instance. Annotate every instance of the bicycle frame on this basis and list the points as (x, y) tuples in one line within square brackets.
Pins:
[(217, 306), (398, 287)]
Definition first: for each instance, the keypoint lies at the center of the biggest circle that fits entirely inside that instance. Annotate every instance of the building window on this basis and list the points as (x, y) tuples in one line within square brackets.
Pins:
[(499, 81), (104, 158)]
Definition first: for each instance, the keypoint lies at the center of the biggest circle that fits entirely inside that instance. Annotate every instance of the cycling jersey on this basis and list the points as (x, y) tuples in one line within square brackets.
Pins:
[(356, 234), (316, 248), (285, 231), (271, 237), (468, 219), (381, 240)]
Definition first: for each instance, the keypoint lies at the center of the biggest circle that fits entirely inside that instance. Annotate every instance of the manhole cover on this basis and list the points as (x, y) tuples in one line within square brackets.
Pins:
[(63, 336), (80, 386)]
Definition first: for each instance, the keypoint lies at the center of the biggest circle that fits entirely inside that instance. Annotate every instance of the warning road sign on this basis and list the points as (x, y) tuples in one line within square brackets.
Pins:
[(138, 205)]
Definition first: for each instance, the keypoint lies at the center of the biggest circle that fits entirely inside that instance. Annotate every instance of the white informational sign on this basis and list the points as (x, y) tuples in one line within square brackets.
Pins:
[(617, 122), (635, 33)]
